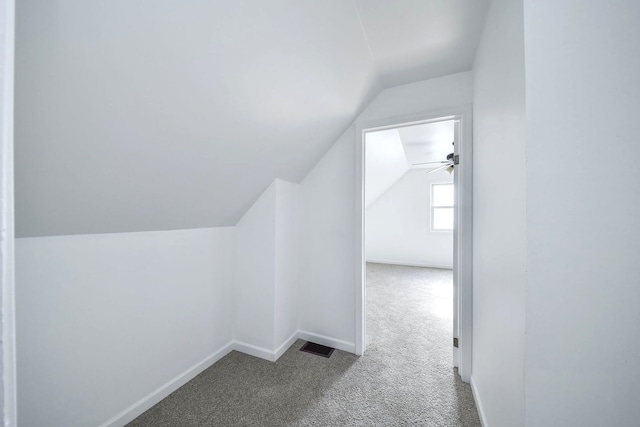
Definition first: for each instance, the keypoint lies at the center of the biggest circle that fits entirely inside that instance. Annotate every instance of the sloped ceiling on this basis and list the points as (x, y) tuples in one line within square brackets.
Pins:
[(391, 153), (427, 142), (385, 163), (154, 115), (413, 40)]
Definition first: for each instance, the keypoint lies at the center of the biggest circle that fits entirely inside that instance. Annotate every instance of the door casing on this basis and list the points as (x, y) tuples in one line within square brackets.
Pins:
[(462, 235)]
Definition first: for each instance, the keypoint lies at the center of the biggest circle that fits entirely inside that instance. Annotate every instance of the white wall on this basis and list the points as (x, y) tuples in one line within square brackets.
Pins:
[(385, 163), (109, 324), (583, 232), (328, 258), (398, 224), (254, 279), (266, 273), (104, 320), (327, 252), (7, 351), (287, 246), (499, 217)]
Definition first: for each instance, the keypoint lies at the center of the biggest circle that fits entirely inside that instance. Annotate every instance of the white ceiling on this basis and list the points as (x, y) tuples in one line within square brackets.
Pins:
[(385, 163), (428, 142), (391, 153), (414, 40), (149, 115)]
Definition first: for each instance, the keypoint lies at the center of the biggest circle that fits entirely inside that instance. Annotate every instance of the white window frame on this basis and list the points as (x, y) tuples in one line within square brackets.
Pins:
[(434, 207)]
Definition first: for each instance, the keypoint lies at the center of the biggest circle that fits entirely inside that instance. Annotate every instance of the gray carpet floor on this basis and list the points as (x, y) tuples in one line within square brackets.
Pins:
[(404, 378)]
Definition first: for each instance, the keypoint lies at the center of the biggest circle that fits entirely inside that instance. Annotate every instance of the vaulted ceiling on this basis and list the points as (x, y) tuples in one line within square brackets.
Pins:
[(155, 115), (391, 153)]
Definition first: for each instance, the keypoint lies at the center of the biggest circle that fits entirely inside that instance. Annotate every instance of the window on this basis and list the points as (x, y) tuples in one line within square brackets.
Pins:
[(441, 207)]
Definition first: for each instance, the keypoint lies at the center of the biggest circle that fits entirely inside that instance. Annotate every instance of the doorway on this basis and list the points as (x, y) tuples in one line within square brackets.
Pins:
[(460, 120)]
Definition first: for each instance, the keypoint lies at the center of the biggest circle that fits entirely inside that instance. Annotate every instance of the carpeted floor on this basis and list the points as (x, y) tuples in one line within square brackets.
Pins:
[(404, 378)]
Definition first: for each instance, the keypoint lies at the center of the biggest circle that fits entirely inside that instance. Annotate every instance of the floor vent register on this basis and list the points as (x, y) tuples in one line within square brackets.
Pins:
[(317, 349)]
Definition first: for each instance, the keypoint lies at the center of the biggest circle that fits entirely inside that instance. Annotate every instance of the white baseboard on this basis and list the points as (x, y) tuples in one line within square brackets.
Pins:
[(285, 345), (135, 410), (328, 341), (265, 353), (411, 264), (272, 356), (476, 397), (254, 350)]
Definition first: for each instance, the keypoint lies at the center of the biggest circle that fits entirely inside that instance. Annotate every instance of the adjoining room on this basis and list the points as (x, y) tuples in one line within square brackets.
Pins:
[(409, 222)]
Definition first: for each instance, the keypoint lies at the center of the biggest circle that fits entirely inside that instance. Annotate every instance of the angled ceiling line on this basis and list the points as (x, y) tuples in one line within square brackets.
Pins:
[(366, 38)]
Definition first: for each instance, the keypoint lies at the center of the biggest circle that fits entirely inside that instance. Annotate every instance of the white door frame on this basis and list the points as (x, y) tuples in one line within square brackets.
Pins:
[(7, 288), (462, 227)]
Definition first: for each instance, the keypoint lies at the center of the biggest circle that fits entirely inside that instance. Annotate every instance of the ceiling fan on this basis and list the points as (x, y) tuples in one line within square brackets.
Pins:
[(447, 165)]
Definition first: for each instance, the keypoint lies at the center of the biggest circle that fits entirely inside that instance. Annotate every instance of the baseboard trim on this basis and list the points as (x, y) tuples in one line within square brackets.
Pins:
[(285, 345), (411, 264), (147, 402), (476, 397), (254, 350), (142, 405), (328, 341), (272, 356)]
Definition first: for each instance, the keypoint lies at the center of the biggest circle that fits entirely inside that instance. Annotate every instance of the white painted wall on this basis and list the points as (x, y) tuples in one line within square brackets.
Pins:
[(328, 230), (499, 217), (7, 272), (287, 275), (398, 224), (109, 324), (385, 162), (583, 232), (254, 279), (266, 273), (327, 252), (104, 320)]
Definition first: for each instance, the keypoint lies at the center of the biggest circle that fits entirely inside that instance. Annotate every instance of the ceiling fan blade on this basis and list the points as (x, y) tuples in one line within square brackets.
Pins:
[(430, 163), (440, 168)]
